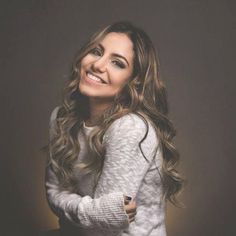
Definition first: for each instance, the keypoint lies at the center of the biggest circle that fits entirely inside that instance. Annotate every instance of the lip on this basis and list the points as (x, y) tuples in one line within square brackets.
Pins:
[(89, 72), (90, 81)]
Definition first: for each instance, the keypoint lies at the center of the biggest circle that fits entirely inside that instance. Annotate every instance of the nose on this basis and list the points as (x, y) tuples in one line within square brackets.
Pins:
[(99, 65)]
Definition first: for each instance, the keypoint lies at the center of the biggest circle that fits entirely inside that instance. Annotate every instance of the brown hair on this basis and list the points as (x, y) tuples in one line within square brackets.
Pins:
[(144, 95)]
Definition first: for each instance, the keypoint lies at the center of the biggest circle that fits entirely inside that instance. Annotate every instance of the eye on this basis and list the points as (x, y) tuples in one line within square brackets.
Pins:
[(118, 63), (96, 51)]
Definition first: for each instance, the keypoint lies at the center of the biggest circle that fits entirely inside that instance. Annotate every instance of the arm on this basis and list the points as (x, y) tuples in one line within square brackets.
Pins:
[(105, 212), (125, 166)]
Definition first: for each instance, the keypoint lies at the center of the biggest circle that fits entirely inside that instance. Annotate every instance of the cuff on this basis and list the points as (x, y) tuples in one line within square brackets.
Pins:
[(113, 208)]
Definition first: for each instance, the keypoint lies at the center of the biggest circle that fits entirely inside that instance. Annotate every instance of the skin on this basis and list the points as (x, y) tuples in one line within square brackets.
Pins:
[(112, 61), (130, 208)]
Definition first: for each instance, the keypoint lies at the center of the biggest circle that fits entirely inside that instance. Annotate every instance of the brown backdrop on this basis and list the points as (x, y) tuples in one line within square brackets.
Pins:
[(196, 44)]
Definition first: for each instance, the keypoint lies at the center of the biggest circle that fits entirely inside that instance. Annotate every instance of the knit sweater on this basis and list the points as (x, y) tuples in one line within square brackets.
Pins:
[(100, 211)]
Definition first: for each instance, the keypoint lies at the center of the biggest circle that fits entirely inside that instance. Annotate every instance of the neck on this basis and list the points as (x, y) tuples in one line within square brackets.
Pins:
[(96, 109)]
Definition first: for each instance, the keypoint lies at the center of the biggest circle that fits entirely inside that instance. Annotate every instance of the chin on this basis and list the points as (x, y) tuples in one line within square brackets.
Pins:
[(93, 93), (87, 92)]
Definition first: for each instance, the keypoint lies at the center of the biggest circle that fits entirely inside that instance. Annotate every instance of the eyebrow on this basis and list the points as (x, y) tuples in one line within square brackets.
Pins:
[(114, 54)]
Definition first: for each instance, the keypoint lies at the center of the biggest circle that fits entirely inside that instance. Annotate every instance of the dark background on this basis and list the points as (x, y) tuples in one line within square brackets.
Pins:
[(196, 44)]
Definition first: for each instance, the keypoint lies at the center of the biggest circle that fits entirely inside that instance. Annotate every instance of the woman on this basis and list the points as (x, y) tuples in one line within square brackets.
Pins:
[(112, 161)]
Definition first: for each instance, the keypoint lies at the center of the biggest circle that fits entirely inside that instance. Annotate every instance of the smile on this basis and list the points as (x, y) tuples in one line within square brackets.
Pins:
[(95, 78)]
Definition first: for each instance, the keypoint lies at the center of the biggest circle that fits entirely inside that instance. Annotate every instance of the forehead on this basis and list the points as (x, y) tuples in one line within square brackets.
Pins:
[(118, 43)]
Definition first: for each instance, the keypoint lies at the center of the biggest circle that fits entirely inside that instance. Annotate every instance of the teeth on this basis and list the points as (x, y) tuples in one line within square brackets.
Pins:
[(92, 77)]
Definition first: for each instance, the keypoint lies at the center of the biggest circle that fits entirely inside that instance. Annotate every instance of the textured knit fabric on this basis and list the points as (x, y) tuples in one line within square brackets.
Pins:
[(125, 172)]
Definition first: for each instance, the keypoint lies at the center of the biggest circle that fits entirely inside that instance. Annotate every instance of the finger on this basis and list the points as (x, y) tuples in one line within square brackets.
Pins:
[(132, 203), (128, 198), (127, 202), (132, 215), (130, 210), (131, 219), (131, 206)]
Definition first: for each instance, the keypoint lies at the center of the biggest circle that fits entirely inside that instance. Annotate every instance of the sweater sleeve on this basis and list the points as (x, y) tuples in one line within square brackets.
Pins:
[(125, 165), (104, 212)]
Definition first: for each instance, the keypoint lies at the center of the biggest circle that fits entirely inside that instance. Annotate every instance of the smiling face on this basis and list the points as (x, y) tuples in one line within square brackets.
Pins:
[(106, 69)]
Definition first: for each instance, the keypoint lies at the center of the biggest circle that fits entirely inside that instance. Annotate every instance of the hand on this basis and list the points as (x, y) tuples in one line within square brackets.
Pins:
[(130, 208)]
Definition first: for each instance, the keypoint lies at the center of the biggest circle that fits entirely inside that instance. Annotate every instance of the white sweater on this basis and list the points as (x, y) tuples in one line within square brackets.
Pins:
[(125, 172)]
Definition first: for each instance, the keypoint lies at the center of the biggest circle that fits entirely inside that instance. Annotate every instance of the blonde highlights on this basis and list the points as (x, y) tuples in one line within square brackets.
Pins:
[(144, 95)]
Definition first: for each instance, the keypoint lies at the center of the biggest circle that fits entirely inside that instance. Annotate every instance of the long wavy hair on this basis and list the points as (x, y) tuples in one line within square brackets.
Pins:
[(144, 94)]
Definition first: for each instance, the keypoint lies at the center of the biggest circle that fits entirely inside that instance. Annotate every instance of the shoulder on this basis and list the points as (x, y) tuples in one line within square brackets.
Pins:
[(132, 126), (131, 122), (130, 131)]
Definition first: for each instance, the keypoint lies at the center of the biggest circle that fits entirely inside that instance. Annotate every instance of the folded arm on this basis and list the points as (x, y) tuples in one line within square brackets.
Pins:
[(104, 212), (123, 171)]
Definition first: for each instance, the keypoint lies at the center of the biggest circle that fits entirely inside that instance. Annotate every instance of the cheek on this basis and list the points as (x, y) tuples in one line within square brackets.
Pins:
[(86, 60), (117, 86), (121, 79)]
